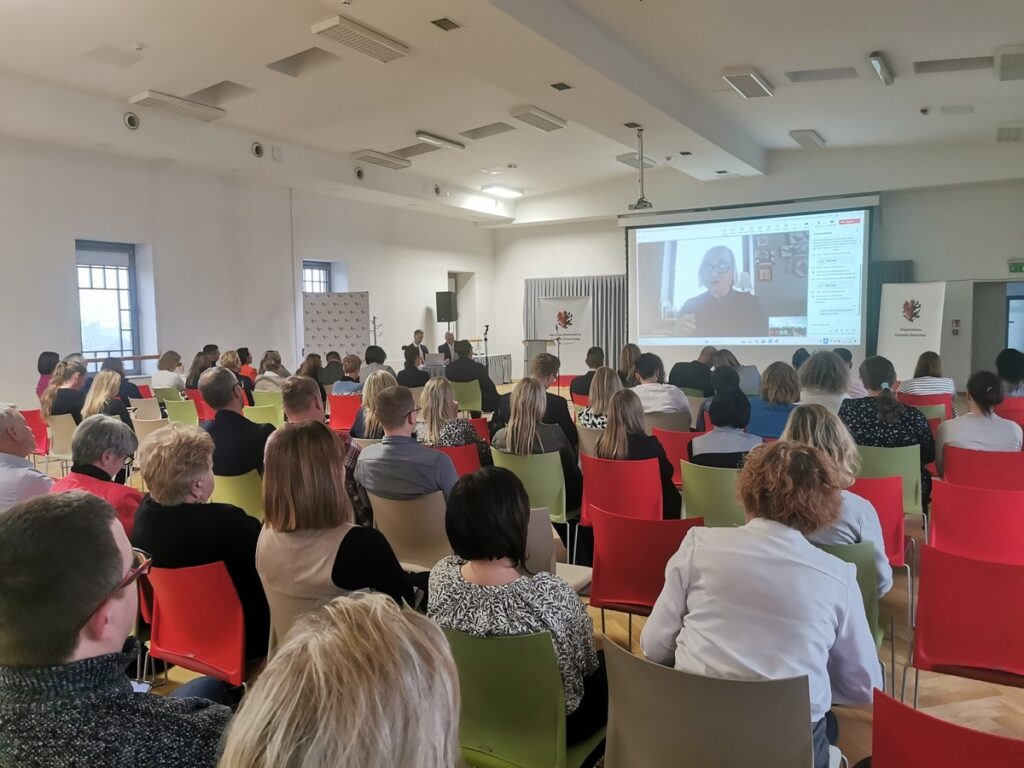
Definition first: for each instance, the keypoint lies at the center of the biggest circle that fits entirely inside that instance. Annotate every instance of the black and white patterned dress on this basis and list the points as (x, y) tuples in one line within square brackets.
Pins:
[(454, 433), (540, 603)]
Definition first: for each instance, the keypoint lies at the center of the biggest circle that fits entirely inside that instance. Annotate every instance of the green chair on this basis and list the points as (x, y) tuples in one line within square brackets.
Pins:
[(182, 412), (902, 462), (691, 392), (932, 411), (264, 414), (273, 399), (245, 491), (513, 704), (541, 474), (164, 394), (710, 492), (467, 395)]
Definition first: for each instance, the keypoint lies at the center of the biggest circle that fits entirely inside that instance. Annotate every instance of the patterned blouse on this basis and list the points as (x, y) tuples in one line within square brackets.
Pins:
[(591, 420), (455, 433), (540, 603)]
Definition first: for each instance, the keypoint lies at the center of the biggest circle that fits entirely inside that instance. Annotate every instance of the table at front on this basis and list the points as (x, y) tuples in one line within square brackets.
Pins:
[(499, 368)]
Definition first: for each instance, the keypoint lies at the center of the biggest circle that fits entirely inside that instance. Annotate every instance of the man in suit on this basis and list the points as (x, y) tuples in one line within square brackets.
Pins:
[(237, 442), (695, 375), (464, 368), (581, 384), (417, 344), (448, 348), (543, 368)]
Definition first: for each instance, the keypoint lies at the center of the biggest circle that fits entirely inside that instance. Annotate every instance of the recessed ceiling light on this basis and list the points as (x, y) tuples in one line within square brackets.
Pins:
[(632, 126), (956, 109), (494, 170), (561, 86), (721, 173), (808, 138), (446, 24), (500, 190), (538, 118), (685, 153), (439, 141), (748, 82)]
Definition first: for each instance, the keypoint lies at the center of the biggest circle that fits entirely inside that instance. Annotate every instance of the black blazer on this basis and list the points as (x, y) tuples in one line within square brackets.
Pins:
[(237, 443), (331, 373), (412, 377), (556, 412), (581, 384), (693, 375), (641, 446), (448, 350), (466, 369)]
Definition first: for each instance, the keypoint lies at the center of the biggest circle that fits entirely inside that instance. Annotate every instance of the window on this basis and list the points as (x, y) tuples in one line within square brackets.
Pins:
[(107, 301), (316, 277)]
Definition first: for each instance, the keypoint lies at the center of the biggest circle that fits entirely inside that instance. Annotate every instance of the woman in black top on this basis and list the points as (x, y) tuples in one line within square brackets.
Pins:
[(125, 388), (625, 440), (65, 392), (103, 398), (312, 367), (199, 364), (411, 376)]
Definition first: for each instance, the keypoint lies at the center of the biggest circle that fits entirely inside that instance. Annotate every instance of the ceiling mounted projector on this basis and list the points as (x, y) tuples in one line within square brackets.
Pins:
[(383, 159), (177, 105), (439, 141), (748, 82), (881, 68), (632, 159), (538, 118), (642, 203)]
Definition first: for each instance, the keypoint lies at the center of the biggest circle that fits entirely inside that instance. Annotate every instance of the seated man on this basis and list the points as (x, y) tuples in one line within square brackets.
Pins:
[(448, 348), (417, 344), (696, 374), (544, 369), (19, 480), (398, 467), (654, 394), (333, 371), (68, 601), (238, 443), (99, 448), (464, 368), (581, 384)]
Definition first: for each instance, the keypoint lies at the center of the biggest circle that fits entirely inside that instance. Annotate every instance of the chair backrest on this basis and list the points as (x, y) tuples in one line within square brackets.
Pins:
[(541, 474), (630, 555), (540, 545), (903, 736), (710, 493), (245, 491), (466, 458), (862, 555), (35, 422), (145, 427), (969, 614), (982, 523), (206, 413), (417, 394), (145, 390), (631, 488), (163, 394), (588, 440), (204, 635), (272, 398), (482, 429), (657, 714), (699, 423), (414, 528), (264, 414), (364, 442), (983, 469), (182, 412), (904, 462), (581, 400), (524, 725), (145, 408), (467, 395), (343, 411), (62, 428), (675, 444), (928, 401), (886, 496), (676, 421), (1012, 408), (933, 412)]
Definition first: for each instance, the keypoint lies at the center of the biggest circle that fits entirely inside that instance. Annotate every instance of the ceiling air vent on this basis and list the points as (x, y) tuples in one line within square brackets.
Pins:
[(361, 39), (414, 150), (446, 24), (1010, 132), (938, 66), (177, 105), (561, 86), (1010, 62), (538, 118), (384, 160), (821, 75), (632, 159), (748, 82), (486, 131)]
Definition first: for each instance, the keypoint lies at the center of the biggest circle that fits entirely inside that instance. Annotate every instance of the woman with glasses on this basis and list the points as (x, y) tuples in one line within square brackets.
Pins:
[(441, 425), (721, 310)]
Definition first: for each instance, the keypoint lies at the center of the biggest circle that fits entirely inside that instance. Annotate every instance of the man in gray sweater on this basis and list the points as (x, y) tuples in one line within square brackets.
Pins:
[(68, 601)]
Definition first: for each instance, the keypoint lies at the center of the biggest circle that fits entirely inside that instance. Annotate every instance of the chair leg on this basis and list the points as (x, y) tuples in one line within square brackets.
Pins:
[(885, 674), (917, 686), (892, 649), (602, 621), (630, 624)]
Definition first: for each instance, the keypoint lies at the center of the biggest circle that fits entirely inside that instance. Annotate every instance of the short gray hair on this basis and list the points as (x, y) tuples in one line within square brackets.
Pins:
[(98, 434), (8, 418), (216, 386)]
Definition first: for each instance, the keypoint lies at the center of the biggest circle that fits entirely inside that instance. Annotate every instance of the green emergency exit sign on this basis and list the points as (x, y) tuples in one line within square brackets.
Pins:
[(1016, 267)]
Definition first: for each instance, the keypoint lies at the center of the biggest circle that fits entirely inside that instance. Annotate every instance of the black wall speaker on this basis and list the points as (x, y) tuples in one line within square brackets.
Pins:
[(446, 309)]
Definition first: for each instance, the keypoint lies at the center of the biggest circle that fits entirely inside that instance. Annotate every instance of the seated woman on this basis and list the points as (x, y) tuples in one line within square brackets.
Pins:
[(527, 434), (881, 420), (311, 368), (928, 378), (64, 393), (334, 692), (168, 374), (818, 427), (411, 376), (271, 374), (726, 445), (780, 389), (200, 364), (750, 377), (99, 449), (721, 379), (230, 361), (103, 398), (47, 362), (366, 424), (760, 602), (246, 369), (349, 384), (309, 549), (604, 384), (627, 365), (179, 527), (824, 380), (1010, 367), (483, 590), (441, 425), (126, 389), (624, 439), (980, 429)]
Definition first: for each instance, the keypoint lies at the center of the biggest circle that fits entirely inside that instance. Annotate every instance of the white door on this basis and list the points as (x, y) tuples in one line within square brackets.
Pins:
[(1015, 323)]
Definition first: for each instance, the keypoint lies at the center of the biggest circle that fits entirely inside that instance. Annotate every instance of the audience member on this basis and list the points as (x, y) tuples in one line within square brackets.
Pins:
[(750, 377), (230, 361), (627, 363), (881, 420), (212, 351), (544, 370), (605, 384), (359, 683), (348, 384), (580, 385), (411, 376), (760, 602), (179, 526), (780, 389), (19, 479), (800, 357), (398, 467), (441, 425), (464, 368), (99, 449), (246, 368), (310, 550), (103, 398), (333, 371), (448, 348), (854, 386), (818, 427), (655, 395), (47, 362), (727, 444), (483, 590), (78, 357), (126, 389), (721, 379), (64, 393), (376, 359), (200, 363), (1010, 367), (695, 375), (418, 345), (311, 368), (271, 374), (168, 373), (980, 429), (238, 442), (367, 425), (624, 439), (928, 379), (68, 602), (824, 380)]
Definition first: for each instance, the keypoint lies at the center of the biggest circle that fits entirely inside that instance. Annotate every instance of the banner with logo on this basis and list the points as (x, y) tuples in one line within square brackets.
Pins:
[(569, 319), (336, 322), (909, 323)]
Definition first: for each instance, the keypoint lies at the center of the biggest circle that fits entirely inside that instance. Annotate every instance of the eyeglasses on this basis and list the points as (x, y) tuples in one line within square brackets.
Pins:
[(417, 409), (142, 561), (721, 267)]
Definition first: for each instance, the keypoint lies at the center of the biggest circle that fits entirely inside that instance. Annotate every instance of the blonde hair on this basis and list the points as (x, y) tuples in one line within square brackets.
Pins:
[(358, 683), (605, 383), (375, 384), (779, 384), (625, 417), (62, 374), (438, 403), (230, 360), (105, 386), (817, 426), (172, 458), (526, 406)]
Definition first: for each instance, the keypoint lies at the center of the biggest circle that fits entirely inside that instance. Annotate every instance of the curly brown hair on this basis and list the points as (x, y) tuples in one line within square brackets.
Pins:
[(793, 484)]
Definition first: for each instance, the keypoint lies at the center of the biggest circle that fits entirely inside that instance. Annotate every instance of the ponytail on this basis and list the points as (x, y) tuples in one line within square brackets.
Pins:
[(890, 410), (62, 374), (878, 374)]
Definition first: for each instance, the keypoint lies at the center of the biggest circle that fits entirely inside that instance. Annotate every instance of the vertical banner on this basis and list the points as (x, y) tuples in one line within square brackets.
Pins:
[(571, 320), (909, 323), (336, 322)]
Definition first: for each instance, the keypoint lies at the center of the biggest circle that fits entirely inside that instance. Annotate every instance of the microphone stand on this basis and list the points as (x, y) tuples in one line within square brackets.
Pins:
[(487, 359), (558, 354)]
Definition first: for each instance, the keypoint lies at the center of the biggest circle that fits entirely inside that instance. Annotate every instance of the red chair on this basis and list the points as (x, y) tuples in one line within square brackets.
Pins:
[(35, 422), (916, 400), (564, 380), (970, 619), (1012, 408), (343, 411), (982, 523), (630, 555), (933, 424), (480, 425), (886, 496), (204, 635), (145, 391), (675, 444), (631, 488), (581, 400), (466, 458), (903, 737), (206, 413), (984, 469)]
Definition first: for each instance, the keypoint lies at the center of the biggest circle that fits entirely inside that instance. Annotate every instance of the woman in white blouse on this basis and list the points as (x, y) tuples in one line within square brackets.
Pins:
[(168, 374), (761, 602), (980, 429), (824, 380)]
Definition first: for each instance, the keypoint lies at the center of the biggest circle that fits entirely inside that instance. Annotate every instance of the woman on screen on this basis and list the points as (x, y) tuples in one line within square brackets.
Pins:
[(721, 311)]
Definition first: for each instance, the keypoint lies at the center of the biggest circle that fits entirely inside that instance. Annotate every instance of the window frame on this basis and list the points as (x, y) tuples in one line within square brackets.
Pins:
[(323, 266), (125, 252)]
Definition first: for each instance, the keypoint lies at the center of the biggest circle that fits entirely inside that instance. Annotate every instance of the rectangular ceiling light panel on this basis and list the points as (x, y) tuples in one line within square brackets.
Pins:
[(821, 75), (179, 106), (384, 160), (808, 138), (360, 38), (538, 118), (748, 82), (486, 131), (1010, 132), (304, 62), (414, 149), (1010, 63), (938, 66)]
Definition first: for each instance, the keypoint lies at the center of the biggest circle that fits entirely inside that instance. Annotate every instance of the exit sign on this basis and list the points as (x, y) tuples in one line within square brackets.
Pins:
[(1016, 267)]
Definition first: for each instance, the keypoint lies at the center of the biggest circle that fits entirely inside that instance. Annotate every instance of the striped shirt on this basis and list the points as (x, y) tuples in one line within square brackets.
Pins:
[(929, 385)]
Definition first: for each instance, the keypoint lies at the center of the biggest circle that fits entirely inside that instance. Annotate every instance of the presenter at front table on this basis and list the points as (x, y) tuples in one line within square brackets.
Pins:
[(721, 311)]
